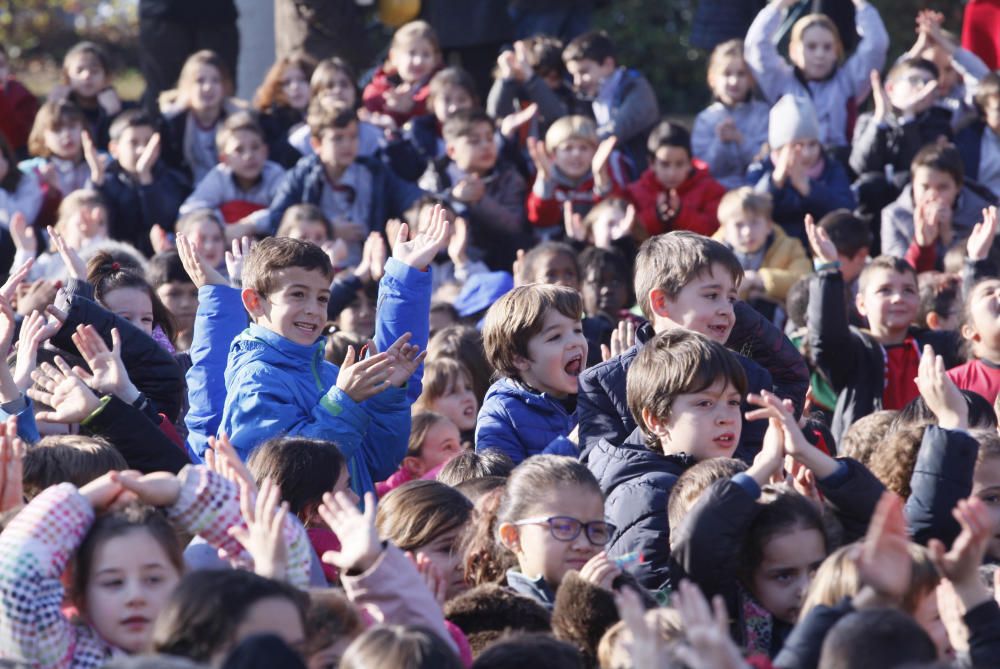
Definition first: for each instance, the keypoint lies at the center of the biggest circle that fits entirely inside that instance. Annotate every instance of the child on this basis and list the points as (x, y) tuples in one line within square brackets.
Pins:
[(399, 88), (140, 190), (448, 391), (174, 289), (57, 146), (553, 263), (306, 222), (800, 176), (873, 369), (205, 230), (86, 81), (17, 108), (817, 69), (20, 193), (686, 281), (357, 194), (771, 260), (853, 241), (940, 301), (282, 100), (533, 338), (277, 380), (676, 192), (621, 101), (978, 141), (934, 212), (434, 440), (488, 194), (982, 335), (532, 73), (730, 133), (244, 182), (464, 344), (125, 292), (192, 119), (684, 393), (604, 288), (551, 517), (566, 173)]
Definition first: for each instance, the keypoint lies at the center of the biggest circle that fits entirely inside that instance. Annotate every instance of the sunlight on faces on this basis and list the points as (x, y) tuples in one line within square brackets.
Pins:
[(604, 292), (209, 241), (906, 86), (442, 443), (705, 424), (574, 156), (588, 75), (935, 184), (245, 153), (816, 54), (475, 152), (206, 89), (458, 404), (556, 356), (984, 330), (986, 486), (130, 145), (310, 231), (295, 87), (730, 81), (671, 165), (181, 300), (444, 553), (541, 554), (86, 75), (810, 152), (789, 561), (556, 269), (890, 301), (130, 580), (296, 309), (358, 318), (337, 147), (748, 233), (65, 140), (414, 61), (336, 90), (450, 100), (704, 304), (271, 615), (132, 304)]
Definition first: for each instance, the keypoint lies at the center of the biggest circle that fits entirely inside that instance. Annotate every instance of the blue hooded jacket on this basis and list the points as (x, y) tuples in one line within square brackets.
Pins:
[(521, 422)]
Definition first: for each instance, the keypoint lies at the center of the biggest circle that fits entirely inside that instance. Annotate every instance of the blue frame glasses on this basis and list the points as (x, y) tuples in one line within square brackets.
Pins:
[(566, 528)]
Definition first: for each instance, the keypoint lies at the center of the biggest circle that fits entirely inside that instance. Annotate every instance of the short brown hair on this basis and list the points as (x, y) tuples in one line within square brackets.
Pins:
[(304, 212), (422, 423), (695, 481), (673, 363), (672, 260), (274, 254), (865, 434), (52, 115), (241, 120), (518, 316), (941, 158), (448, 77), (463, 122), (321, 118), (988, 87), (440, 376), (68, 458), (743, 201), (416, 513), (889, 263)]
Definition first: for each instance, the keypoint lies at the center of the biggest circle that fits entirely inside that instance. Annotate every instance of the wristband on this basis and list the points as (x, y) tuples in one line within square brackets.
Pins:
[(97, 411), (821, 266)]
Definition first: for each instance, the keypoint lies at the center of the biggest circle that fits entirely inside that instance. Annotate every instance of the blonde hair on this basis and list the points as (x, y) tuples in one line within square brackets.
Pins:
[(611, 653), (296, 216), (73, 203), (440, 377), (412, 31), (52, 115), (571, 127), (742, 201), (720, 55), (189, 73), (811, 21), (423, 422)]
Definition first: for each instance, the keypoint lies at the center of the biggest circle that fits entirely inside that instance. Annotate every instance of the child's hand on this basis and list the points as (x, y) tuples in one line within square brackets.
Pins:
[(795, 442), (646, 648), (35, 331), (406, 356), (349, 231), (12, 451), (819, 241), (399, 99), (941, 394), (263, 537), (222, 458), (75, 267), (23, 234), (707, 631), (925, 224), (377, 255), (541, 157), (58, 387), (8, 292), (366, 378), (159, 239), (768, 463), (109, 100), (883, 106), (36, 296), (961, 564), (93, 159), (458, 245), (600, 571), (798, 174), (573, 222), (359, 543), (668, 206), (49, 176), (930, 24), (156, 489), (728, 132), (106, 492), (8, 326), (107, 375), (599, 164), (422, 249), (236, 258), (147, 160), (201, 273), (510, 123), (883, 559), (622, 339), (436, 583), (983, 235), (470, 190)]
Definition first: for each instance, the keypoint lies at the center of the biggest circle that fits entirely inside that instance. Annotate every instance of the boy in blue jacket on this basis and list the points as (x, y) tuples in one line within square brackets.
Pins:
[(277, 381), (534, 339)]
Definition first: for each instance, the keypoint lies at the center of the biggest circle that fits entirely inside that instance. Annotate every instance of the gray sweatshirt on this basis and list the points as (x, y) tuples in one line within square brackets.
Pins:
[(218, 187), (728, 161)]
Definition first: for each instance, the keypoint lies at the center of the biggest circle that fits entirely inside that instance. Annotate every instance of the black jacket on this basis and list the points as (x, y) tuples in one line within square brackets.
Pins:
[(893, 143), (941, 477), (141, 442), (133, 209)]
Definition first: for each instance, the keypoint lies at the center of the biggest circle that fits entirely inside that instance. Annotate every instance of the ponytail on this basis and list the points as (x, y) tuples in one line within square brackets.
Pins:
[(485, 559), (107, 272)]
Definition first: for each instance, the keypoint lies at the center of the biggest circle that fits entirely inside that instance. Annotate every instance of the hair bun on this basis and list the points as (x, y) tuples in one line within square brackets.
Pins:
[(115, 266)]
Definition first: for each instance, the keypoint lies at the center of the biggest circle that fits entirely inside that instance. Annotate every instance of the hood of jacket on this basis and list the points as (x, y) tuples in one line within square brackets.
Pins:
[(614, 465), (509, 389), (272, 349)]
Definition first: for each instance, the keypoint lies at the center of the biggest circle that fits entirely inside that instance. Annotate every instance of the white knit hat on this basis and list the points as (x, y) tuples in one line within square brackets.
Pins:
[(792, 119)]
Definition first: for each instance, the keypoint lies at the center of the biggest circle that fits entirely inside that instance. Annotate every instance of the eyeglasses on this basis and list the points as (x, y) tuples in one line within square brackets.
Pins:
[(564, 528)]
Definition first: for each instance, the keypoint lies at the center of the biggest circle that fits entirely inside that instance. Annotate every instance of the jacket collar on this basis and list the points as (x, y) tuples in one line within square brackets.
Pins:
[(288, 349), (536, 588)]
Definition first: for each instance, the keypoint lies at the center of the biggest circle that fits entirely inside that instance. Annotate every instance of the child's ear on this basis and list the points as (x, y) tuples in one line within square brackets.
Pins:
[(968, 332), (113, 149), (253, 302), (659, 303), (510, 537), (414, 466), (449, 150), (314, 142), (933, 320), (859, 302), (654, 423), (523, 364)]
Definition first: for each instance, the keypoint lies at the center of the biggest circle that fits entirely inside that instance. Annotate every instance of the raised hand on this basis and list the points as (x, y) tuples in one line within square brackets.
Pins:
[(795, 443), (107, 374), (707, 631), (377, 255), (58, 387), (222, 458), (359, 543), (768, 463), (599, 164), (235, 258), (941, 394), (109, 101), (600, 571), (35, 330), (7, 326), (361, 379), (201, 273), (406, 358), (925, 225), (646, 648), (156, 489), (435, 581), (541, 157), (103, 492), (12, 451), (961, 564), (93, 159), (883, 559), (983, 235), (75, 267), (573, 222), (458, 245), (23, 234), (470, 190), (883, 106), (9, 289), (399, 99), (510, 123), (147, 160), (819, 241), (422, 249), (622, 339), (263, 537)]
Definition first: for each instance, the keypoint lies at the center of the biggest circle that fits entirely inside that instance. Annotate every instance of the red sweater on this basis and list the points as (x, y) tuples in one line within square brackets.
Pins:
[(544, 212), (17, 113), (382, 82), (699, 194), (978, 376)]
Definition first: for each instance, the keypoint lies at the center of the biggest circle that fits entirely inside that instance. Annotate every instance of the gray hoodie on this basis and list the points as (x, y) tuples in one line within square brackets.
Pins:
[(728, 161), (897, 220)]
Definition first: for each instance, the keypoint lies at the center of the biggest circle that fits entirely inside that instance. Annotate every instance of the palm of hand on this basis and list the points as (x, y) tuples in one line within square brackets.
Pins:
[(72, 400), (107, 372), (357, 540)]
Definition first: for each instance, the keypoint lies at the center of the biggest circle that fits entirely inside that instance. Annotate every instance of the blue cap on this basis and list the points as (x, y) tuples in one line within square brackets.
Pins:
[(482, 290)]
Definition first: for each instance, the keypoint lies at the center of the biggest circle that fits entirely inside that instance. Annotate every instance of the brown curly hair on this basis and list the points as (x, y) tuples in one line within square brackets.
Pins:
[(892, 462)]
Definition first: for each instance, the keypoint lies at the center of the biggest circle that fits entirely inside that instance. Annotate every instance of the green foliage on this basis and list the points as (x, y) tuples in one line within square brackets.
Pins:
[(33, 28)]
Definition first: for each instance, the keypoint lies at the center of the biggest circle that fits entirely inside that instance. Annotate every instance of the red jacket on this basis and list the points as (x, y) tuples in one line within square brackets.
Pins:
[(545, 212), (699, 194), (382, 82), (17, 113)]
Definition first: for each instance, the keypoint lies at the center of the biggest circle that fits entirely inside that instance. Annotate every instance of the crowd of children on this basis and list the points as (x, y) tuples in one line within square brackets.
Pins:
[(396, 376)]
